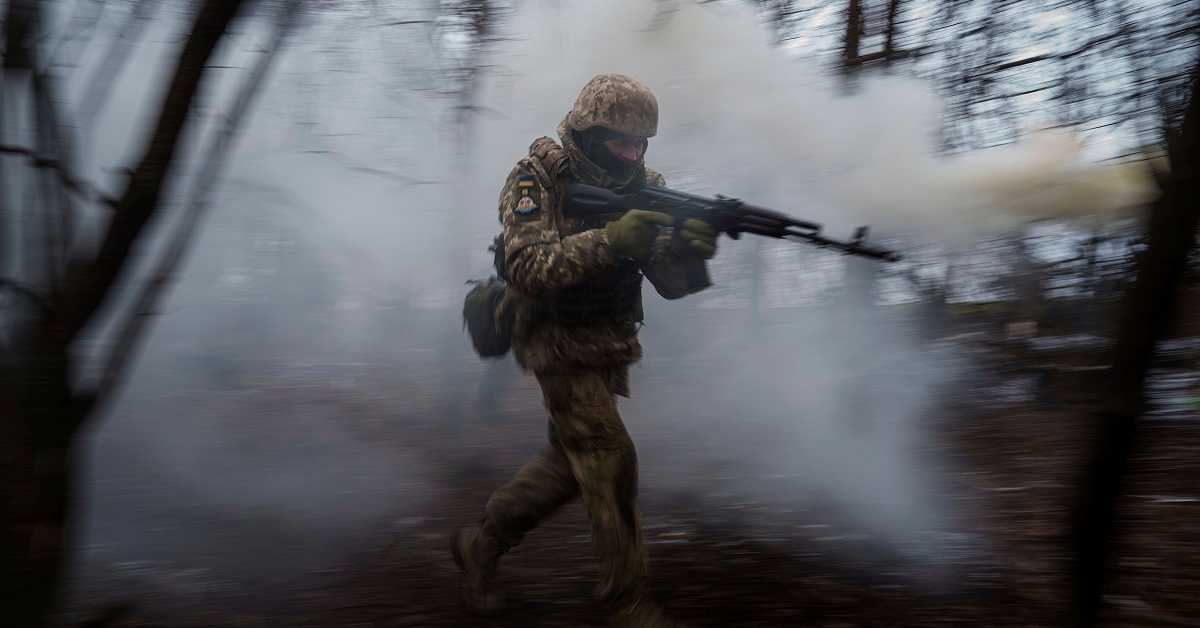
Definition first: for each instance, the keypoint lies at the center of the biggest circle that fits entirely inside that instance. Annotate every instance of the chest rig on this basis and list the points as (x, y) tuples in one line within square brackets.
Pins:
[(614, 295)]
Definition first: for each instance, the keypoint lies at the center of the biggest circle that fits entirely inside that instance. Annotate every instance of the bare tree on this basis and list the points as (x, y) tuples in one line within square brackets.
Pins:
[(41, 406), (99, 86), (1145, 319), (151, 292)]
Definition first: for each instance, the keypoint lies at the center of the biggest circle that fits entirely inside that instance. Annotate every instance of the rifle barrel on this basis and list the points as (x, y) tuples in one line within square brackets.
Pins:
[(726, 214)]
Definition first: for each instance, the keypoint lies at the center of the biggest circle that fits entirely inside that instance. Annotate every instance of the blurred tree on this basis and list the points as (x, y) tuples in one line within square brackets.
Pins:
[(1145, 319), (116, 53), (55, 287), (1120, 79)]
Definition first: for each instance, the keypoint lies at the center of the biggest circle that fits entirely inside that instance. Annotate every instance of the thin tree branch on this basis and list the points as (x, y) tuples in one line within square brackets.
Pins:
[(1024, 92), (27, 291), (889, 37), (879, 55), (1146, 318), (357, 167), (403, 23), (51, 208), (131, 330), (1008, 65), (98, 89), (43, 244), (55, 139), (88, 281), (80, 188), (84, 28), (853, 34)]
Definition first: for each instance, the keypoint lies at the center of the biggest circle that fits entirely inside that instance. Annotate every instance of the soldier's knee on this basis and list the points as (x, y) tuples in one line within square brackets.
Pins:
[(612, 463), (603, 440)]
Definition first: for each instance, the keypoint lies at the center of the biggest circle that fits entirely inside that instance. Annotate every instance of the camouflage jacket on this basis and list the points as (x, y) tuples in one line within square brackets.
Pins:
[(550, 258)]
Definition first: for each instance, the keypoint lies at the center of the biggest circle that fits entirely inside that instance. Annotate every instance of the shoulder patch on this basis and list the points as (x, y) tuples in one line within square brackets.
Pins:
[(528, 197)]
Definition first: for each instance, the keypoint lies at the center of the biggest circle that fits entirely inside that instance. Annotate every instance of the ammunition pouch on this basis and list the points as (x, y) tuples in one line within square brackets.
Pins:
[(614, 296), (489, 327)]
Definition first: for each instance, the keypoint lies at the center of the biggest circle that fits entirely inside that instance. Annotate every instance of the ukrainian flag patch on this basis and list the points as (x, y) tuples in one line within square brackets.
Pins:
[(527, 197)]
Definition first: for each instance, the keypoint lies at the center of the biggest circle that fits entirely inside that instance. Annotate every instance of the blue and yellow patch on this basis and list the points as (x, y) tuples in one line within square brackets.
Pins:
[(527, 197)]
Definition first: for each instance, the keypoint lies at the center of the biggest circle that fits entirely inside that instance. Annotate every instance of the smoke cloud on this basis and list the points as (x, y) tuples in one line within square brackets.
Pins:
[(317, 323)]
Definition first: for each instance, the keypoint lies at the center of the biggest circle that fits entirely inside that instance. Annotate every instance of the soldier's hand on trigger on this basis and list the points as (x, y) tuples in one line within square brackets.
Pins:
[(633, 234), (698, 237)]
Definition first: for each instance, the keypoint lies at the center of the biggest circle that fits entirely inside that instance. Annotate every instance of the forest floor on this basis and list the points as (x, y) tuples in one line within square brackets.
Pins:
[(723, 557)]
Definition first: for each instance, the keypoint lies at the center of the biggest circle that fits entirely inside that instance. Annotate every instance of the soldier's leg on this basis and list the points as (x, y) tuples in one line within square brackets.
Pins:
[(536, 491), (601, 454)]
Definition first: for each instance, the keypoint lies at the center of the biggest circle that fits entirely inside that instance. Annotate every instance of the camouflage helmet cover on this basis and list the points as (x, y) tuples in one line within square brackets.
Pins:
[(616, 102)]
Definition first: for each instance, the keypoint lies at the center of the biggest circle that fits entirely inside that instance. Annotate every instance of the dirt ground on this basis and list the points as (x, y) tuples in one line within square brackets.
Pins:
[(724, 558)]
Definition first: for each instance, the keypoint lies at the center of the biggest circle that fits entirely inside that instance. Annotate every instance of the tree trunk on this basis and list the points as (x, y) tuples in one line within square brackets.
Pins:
[(1145, 319), (39, 412)]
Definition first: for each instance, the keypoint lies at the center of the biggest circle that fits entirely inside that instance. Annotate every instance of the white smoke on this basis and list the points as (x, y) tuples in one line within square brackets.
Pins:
[(841, 394), (827, 407), (348, 214), (749, 120)]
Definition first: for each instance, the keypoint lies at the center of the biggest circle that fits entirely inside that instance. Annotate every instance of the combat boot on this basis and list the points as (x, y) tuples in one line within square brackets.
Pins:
[(477, 555)]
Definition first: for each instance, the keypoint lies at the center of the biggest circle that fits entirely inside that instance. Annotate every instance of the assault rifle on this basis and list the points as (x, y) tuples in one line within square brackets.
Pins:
[(727, 215)]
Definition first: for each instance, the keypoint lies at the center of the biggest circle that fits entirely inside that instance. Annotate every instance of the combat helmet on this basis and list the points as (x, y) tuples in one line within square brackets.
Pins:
[(616, 102)]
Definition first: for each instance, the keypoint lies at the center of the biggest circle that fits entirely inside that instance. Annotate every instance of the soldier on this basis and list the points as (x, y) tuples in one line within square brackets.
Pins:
[(574, 294)]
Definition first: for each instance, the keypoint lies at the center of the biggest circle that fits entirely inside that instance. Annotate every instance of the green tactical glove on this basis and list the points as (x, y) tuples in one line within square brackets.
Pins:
[(698, 237), (632, 235)]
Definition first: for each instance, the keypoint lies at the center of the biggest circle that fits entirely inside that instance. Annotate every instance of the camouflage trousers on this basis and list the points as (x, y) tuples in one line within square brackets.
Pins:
[(591, 456)]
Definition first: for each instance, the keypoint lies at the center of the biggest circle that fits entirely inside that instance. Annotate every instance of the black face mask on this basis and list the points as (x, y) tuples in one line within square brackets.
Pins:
[(591, 142)]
